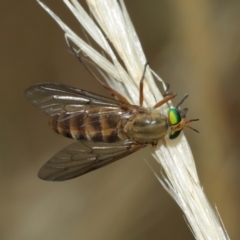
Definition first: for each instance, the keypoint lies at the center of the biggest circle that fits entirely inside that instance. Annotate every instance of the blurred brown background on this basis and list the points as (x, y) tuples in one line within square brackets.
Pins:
[(194, 46)]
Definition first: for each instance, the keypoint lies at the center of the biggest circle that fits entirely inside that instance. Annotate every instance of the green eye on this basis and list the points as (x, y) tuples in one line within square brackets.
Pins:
[(174, 135), (174, 116)]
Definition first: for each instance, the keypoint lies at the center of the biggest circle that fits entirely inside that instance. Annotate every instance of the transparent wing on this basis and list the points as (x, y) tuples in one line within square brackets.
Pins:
[(84, 156), (53, 98)]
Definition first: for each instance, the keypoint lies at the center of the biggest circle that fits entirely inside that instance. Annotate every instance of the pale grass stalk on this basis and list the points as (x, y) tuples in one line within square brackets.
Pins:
[(180, 177)]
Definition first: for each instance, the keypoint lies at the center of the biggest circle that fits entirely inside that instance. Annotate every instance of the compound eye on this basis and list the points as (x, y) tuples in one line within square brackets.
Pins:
[(173, 134), (174, 116)]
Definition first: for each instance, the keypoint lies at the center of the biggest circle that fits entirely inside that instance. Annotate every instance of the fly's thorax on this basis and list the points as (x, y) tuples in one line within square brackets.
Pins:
[(147, 127)]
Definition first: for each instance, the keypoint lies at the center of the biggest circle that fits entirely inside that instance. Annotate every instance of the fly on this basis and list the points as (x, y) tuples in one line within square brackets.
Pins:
[(105, 129)]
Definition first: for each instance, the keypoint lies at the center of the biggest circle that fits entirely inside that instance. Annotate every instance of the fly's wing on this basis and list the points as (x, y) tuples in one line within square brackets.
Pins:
[(53, 98), (84, 156)]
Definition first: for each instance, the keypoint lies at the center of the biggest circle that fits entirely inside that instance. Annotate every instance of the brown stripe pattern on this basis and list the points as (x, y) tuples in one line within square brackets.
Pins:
[(97, 124)]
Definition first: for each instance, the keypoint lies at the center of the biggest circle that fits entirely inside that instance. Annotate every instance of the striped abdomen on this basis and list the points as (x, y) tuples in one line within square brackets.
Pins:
[(97, 124)]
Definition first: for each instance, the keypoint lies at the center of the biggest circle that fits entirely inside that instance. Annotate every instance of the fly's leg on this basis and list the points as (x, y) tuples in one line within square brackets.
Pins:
[(154, 144), (141, 85), (166, 91), (165, 100), (167, 96), (111, 90), (182, 100)]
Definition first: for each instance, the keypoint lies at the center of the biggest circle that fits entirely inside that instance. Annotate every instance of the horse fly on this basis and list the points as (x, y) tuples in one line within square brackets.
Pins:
[(105, 129)]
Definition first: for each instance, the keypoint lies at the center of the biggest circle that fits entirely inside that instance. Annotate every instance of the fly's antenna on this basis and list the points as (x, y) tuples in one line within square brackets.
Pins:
[(191, 120), (183, 113)]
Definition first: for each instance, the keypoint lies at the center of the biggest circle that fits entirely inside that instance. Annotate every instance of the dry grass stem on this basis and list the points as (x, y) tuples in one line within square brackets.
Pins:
[(114, 33)]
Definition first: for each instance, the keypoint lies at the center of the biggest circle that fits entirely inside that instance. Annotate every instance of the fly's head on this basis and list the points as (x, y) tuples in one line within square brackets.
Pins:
[(177, 120)]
